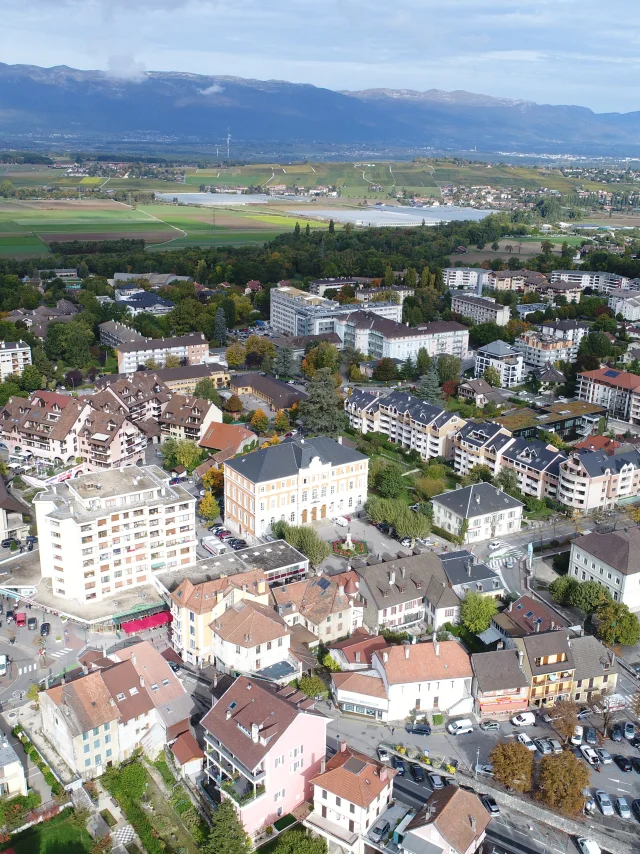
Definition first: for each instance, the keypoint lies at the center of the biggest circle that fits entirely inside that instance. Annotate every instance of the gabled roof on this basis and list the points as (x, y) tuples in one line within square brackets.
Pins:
[(286, 459), (354, 776), (185, 748), (526, 616), (462, 567), (202, 598), (405, 579), (224, 437), (545, 644), (617, 549), (313, 598), (459, 816), (477, 500), (592, 658), (281, 395), (248, 624), (424, 662), (359, 648), (85, 703), (418, 410), (499, 670), (535, 454)]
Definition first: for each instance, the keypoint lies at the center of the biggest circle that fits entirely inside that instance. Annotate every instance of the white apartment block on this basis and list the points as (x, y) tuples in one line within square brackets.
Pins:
[(14, 357), (299, 482), (101, 534), (626, 303), (480, 309), (506, 360), (295, 312), (507, 280), (619, 391), (466, 278), (442, 337), (571, 332), (487, 512), (598, 280), (406, 420), (538, 350), (479, 443), (373, 295), (192, 349), (597, 480), (610, 560)]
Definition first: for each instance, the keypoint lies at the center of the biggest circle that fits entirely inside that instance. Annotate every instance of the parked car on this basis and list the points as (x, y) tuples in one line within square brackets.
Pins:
[(622, 808), (341, 521), (524, 719), (383, 754), (589, 754), (576, 738), (406, 542), (379, 830), (436, 781), (486, 770), (489, 726), (416, 772), (420, 728), (629, 730), (490, 805), (604, 802), (616, 732), (543, 746), (414, 507), (6, 544), (604, 756), (588, 846), (399, 765), (590, 735), (622, 762), (635, 807), (635, 763), (10, 616), (32, 624), (523, 738), (584, 713), (556, 747), (45, 628)]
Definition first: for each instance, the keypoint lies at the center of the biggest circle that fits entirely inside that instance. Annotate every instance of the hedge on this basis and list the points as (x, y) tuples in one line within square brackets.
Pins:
[(446, 535)]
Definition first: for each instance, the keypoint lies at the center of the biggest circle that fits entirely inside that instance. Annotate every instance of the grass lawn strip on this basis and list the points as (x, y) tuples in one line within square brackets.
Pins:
[(51, 837)]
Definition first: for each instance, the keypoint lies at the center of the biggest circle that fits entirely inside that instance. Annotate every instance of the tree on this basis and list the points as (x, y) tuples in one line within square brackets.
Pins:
[(429, 386), (298, 842), (390, 482), (172, 361), (561, 780), (562, 588), (261, 347), (234, 404), (410, 524), (423, 360), (206, 389), (322, 413), (188, 454), (565, 714), (313, 686), (220, 328), (385, 370), (33, 693), (588, 596), (284, 363), (213, 480), (281, 422), (476, 612), (227, 833), (31, 378), (507, 480), (236, 355), (492, 376), (448, 368), (331, 664), (323, 355), (389, 279), (513, 765), (617, 625), (209, 507), (478, 474), (259, 422), (449, 388), (596, 344), (306, 540), (428, 487)]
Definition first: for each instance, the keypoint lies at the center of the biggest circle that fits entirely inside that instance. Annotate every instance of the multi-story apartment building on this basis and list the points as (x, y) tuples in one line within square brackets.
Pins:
[(477, 512), (299, 481), (46, 425), (442, 337), (507, 280), (552, 290), (480, 309), (571, 332), (100, 534), (296, 312), (186, 417), (612, 561), (597, 480), (14, 357), (406, 420), (572, 419), (599, 281), (132, 701), (507, 361), (263, 748), (479, 443), (466, 278), (596, 671), (192, 349), (549, 666), (181, 380), (109, 440), (113, 334), (626, 303), (619, 391), (195, 607), (140, 396), (327, 609), (500, 686), (538, 350), (369, 295), (250, 638), (349, 795)]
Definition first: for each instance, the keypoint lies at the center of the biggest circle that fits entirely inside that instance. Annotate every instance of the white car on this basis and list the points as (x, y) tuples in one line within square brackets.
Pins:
[(576, 738), (588, 846), (341, 521), (495, 544), (523, 738), (589, 754), (524, 719)]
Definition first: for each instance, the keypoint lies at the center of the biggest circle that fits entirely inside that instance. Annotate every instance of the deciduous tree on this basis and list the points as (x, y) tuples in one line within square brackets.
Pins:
[(513, 765), (561, 780), (234, 404), (476, 611), (448, 368), (236, 355), (385, 370), (562, 587), (492, 376), (214, 480), (259, 422), (281, 422), (478, 474), (206, 389), (209, 507), (389, 481), (423, 360), (617, 625), (172, 361), (588, 596), (565, 718)]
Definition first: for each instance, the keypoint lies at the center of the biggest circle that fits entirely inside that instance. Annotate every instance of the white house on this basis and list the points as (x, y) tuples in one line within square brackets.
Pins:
[(612, 561), (484, 511), (506, 360)]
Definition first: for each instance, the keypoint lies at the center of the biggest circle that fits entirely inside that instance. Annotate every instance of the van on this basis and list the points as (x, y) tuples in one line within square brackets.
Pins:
[(21, 620), (524, 719), (461, 727), (3, 665)]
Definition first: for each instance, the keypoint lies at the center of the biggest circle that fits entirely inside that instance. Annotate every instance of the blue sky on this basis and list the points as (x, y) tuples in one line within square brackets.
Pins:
[(583, 52)]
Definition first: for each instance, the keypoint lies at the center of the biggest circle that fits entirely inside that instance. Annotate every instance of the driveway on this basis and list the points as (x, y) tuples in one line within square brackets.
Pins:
[(35, 778)]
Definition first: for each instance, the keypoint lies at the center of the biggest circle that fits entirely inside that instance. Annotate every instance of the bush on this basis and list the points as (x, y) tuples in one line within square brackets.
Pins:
[(436, 471), (165, 772), (429, 487), (437, 719)]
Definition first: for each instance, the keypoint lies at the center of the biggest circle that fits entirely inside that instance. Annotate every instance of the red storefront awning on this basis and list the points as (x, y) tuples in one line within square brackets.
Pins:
[(143, 623)]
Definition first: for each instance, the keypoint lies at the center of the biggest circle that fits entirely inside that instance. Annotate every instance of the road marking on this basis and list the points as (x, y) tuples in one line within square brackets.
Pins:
[(27, 669)]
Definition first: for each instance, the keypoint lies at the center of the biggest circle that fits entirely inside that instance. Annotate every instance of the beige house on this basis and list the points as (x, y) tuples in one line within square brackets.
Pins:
[(596, 671), (596, 479), (109, 440), (186, 417), (249, 638), (12, 777), (548, 665), (327, 609), (196, 606)]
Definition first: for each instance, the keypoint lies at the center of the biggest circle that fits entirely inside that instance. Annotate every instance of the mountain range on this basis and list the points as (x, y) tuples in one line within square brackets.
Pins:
[(91, 105)]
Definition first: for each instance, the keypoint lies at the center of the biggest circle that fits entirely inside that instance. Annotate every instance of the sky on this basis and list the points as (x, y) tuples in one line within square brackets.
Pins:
[(581, 52)]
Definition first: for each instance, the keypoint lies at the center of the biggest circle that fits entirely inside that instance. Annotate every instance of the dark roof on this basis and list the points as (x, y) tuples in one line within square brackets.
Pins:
[(419, 410), (547, 643), (536, 454), (592, 658), (498, 349), (298, 342), (9, 502), (435, 326), (484, 433), (146, 300), (414, 576), (597, 463), (499, 670), (548, 373), (192, 338), (361, 399), (481, 301), (383, 325), (618, 549), (281, 395), (187, 372), (527, 616), (287, 459), (476, 500), (462, 567)]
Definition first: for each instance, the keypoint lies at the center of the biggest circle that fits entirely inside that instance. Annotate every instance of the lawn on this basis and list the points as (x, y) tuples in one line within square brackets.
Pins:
[(57, 836)]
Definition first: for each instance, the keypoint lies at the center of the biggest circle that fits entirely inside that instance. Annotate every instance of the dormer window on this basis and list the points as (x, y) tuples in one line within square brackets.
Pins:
[(133, 691), (119, 697)]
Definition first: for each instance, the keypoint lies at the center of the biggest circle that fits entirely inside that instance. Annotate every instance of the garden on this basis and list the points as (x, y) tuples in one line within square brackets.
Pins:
[(63, 834)]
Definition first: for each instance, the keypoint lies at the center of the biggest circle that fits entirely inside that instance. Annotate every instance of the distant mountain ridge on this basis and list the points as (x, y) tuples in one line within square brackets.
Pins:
[(183, 106)]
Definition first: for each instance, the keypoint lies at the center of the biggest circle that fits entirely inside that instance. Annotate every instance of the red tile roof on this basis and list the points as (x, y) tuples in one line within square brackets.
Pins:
[(598, 443), (185, 748), (621, 379), (354, 776)]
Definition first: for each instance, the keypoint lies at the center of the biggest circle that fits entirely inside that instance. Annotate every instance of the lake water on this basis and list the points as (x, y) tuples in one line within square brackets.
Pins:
[(222, 199), (397, 215)]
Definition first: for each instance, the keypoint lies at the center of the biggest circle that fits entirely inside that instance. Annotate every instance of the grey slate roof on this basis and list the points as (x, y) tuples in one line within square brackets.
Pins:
[(592, 658), (618, 549), (536, 454), (287, 459), (363, 400), (423, 576), (477, 500), (548, 373), (498, 349), (499, 670), (598, 463), (419, 410), (484, 433), (462, 567), (548, 643)]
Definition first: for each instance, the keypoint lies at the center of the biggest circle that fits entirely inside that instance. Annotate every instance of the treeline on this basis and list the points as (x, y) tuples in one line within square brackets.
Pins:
[(95, 247)]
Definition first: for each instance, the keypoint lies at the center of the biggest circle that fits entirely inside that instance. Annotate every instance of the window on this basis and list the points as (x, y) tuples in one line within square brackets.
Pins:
[(108, 753), (96, 744), (87, 747), (96, 730), (352, 808), (324, 794), (98, 759), (107, 739), (107, 727), (85, 735), (338, 801), (87, 763)]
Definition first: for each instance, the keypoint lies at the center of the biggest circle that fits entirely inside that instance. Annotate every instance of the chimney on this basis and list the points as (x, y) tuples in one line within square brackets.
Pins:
[(357, 657), (403, 571), (384, 774), (323, 765), (510, 607), (343, 746), (553, 625), (339, 440), (436, 645), (133, 659), (520, 657), (228, 714), (469, 565), (407, 649), (341, 590), (385, 657), (473, 823), (255, 733), (63, 681), (142, 681), (392, 576), (537, 627), (215, 681)]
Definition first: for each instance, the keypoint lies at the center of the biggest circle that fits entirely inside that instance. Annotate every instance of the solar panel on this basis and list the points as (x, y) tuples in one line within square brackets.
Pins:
[(612, 373), (324, 583), (354, 765)]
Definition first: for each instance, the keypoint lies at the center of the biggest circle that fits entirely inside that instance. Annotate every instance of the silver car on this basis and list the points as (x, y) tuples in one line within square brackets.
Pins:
[(543, 746), (622, 807), (555, 745), (379, 831), (604, 802)]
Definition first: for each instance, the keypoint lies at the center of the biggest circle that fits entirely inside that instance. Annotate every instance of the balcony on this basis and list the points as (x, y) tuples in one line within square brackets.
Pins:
[(228, 763), (330, 830)]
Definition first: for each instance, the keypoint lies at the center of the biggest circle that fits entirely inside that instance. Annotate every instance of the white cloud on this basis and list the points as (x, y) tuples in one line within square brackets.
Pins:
[(214, 89), (124, 66)]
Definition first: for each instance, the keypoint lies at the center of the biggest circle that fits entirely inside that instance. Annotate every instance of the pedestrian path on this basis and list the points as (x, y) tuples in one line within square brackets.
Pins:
[(60, 652), (26, 669)]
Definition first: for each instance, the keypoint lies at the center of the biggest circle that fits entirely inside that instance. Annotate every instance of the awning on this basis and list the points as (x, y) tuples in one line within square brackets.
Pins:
[(143, 623), (490, 636)]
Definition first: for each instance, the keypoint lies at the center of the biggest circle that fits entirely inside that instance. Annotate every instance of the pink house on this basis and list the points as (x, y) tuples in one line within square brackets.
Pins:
[(263, 747)]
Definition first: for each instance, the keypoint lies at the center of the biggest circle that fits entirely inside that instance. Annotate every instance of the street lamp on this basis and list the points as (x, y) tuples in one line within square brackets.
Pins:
[(475, 770)]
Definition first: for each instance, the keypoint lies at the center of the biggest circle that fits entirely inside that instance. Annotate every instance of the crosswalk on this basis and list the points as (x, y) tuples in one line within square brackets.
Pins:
[(59, 653), (26, 669), (501, 559)]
